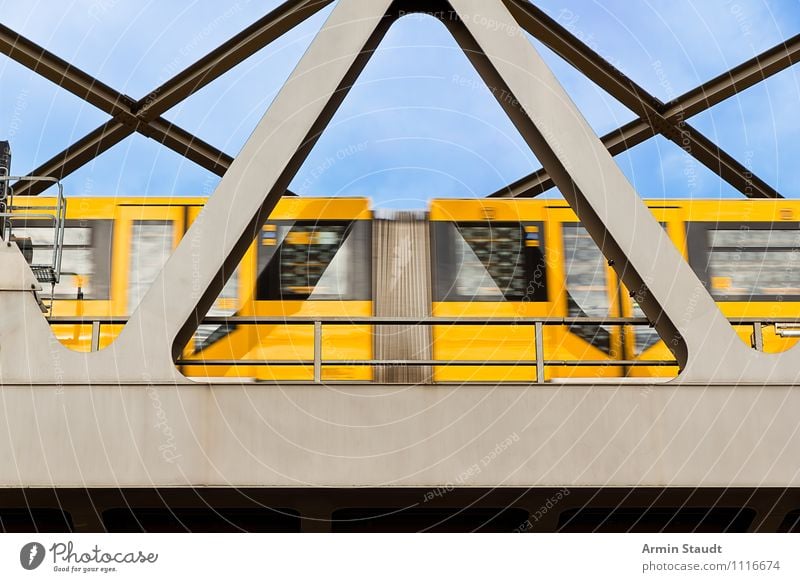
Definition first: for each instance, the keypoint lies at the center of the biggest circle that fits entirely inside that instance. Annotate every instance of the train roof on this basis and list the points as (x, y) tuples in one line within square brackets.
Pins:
[(446, 209)]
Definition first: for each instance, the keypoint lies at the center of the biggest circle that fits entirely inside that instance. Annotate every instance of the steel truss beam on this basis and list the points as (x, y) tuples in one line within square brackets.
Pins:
[(123, 110), (144, 115), (655, 117)]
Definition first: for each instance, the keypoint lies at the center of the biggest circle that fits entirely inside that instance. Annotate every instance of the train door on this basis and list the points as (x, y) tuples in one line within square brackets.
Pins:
[(227, 341), (84, 289), (584, 286), (144, 238), (311, 259), (747, 253), (489, 262), (642, 342)]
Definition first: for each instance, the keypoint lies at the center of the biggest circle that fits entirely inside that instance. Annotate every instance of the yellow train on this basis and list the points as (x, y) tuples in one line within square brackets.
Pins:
[(315, 257), (747, 253)]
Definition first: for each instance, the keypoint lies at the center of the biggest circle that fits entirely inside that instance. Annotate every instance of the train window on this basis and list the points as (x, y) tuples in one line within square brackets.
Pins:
[(85, 256), (644, 337), (151, 246), (316, 261), (587, 296), (747, 261), (489, 261), (227, 304)]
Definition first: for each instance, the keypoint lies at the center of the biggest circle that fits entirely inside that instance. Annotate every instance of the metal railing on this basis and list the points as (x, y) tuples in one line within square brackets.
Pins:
[(56, 215), (787, 329), (538, 324)]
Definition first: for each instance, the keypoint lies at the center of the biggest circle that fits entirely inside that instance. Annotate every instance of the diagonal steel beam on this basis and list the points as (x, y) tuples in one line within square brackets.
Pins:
[(668, 290), (187, 145), (616, 142), (654, 116), (60, 72), (697, 100), (76, 155), (143, 116), (637, 99), (738, 79), (672, 296), (122, 108), (229, 54), (558, 39), (114, 131)]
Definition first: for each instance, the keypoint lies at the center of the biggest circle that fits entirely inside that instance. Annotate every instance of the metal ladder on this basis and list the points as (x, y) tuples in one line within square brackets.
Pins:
[(14, 214)]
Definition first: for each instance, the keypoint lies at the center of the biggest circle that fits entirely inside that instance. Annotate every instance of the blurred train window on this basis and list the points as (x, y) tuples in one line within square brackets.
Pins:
[(489, 261), (85, 258), (587, 296), (317, 261), (226, 305), (747, 261), (644, 336), (151, 246)]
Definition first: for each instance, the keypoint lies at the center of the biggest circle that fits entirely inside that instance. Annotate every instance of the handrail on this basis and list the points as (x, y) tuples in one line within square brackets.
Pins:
[(58, 218), (367, 320), (577, 363), (757, 340)]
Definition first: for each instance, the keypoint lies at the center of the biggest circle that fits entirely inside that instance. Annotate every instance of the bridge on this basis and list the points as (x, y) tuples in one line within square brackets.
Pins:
[(117, 437)]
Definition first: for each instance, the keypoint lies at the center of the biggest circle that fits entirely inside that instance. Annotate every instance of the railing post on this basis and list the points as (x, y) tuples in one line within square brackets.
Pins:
[(539, 345), (95, 336), (758, 337), (317, 352)]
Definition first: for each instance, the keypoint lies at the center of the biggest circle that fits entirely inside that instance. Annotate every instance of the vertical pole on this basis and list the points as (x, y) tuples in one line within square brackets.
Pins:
[(317, 352), (539, 345), (758, 337), (5, 170), (95, 336)]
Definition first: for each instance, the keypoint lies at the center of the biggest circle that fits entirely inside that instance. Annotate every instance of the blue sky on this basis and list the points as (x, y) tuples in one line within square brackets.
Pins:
[(419, 124)]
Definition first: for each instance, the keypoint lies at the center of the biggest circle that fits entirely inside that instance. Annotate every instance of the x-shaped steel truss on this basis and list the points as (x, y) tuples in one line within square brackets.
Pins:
[(655, 117), (144, 115)]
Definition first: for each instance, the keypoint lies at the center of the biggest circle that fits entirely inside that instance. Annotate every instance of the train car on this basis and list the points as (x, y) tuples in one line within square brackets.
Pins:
[(113, 248), (312, 258), (747, 253), (507, 259), (517, 259), (489, 259)]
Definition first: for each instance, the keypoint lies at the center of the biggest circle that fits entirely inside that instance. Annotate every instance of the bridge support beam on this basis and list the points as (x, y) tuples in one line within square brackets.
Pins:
[(217, 435)]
